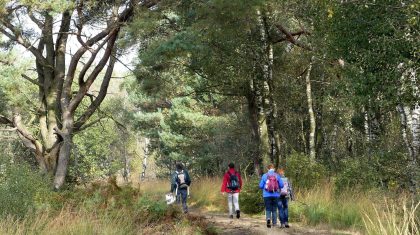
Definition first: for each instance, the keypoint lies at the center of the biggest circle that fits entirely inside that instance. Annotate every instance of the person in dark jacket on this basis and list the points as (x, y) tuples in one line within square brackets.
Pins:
[(271, 184), (180, 181), (232, 184)]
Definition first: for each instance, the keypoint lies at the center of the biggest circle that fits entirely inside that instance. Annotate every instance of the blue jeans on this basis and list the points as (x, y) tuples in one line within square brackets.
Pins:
[(283, 205), (271, 204), (182, 196)]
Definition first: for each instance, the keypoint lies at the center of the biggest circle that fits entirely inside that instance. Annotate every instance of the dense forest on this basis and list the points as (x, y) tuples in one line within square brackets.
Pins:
[(99, 99)]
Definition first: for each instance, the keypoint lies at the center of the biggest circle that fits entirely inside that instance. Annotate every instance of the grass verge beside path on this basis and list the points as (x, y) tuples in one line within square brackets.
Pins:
[(354, 211)]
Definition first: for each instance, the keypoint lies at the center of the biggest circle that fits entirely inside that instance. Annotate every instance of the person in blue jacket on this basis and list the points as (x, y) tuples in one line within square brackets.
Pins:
[(271, 184)]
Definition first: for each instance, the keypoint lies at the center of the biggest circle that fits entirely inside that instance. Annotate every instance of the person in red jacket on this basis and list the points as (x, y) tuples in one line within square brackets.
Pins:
[(232, 184)]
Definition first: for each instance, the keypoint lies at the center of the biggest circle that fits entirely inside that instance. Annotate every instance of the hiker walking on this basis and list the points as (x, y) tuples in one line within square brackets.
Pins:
[(232, 184), (271, 184), (179, 184), (286, 192)]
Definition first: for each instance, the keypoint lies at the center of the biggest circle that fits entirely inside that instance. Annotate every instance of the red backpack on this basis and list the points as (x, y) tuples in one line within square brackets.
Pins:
[(272, 184)]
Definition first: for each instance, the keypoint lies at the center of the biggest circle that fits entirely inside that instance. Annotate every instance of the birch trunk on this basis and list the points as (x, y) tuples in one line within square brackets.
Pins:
[(270, 110), (413, 121), (366, 125), (405, 129), (145, 157), (312, 120), (126, 173)]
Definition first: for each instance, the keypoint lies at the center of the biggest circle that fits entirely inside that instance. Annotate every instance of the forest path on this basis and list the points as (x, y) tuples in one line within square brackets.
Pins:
[(247, 225)]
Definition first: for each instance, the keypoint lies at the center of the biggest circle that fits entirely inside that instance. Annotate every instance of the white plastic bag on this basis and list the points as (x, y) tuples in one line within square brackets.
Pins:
[(170, 198)]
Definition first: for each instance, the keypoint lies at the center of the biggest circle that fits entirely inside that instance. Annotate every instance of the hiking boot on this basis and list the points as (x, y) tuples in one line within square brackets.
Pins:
[(231, 216), (282, 225), (238, 214), (286, 225), (268, 224)]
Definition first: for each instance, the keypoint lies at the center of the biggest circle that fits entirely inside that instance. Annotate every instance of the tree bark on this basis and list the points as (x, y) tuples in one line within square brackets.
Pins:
[(312, 121), (57, 104), (264, 72), (405, 129), (146, 154), (254, 117)]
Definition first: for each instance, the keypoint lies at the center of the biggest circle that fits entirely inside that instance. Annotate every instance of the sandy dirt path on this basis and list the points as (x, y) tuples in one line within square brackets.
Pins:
[(256, 225)]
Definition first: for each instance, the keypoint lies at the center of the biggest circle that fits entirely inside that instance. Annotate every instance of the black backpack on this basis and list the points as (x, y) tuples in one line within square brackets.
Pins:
[(233, 183)]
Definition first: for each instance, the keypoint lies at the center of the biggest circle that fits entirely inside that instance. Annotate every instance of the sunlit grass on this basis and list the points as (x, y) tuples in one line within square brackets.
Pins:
[(357, 211), (68, 221), (321, 205), (397, 218), (104, 209), (154, 187), (205, 193)]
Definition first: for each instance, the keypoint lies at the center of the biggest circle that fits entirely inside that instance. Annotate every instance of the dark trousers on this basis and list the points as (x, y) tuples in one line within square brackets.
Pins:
[(283, 205), (182, 197), (271, 204)]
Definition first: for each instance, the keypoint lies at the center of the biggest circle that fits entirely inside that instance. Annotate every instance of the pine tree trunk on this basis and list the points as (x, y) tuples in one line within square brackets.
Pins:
[(66, 134)]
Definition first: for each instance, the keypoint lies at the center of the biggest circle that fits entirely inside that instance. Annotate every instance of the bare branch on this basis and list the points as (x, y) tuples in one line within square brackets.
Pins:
[(290, 36), (16, 36), (84, 127), (33, 81), (102, 93), (35, 20), (98, 68), (92, 58), (298, 33), (11, 129)]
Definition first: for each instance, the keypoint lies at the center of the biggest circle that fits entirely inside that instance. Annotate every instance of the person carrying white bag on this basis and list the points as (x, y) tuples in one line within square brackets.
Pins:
[(180, 183)]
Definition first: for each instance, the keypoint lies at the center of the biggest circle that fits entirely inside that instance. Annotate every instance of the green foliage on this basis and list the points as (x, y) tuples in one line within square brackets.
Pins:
[(102, 149), (251, 199), (51, 5), (386, 170), (15, 91), (22, 189), (303, 173), (95, 155), (152, 210)]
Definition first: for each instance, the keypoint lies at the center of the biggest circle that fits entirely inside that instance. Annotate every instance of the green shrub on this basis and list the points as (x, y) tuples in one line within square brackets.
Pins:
[(251, 199), (345, 215), (296, 211), (22, 189), (361, 174), (304, 173), (153, 210), (381, 170)]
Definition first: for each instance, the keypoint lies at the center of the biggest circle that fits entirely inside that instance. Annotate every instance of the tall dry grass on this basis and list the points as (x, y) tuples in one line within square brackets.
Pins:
[(351, 209), (205, 194), (396, 218), (68, 221), (321, 205)]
